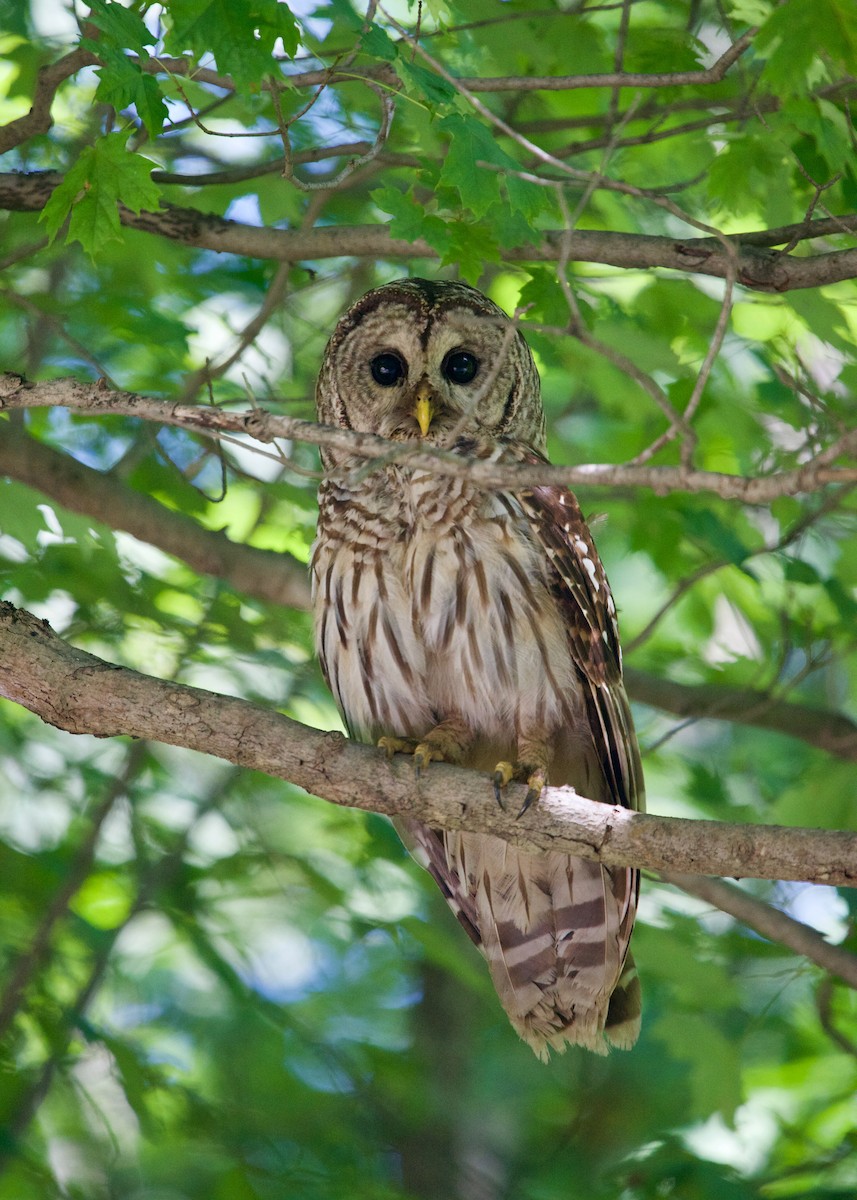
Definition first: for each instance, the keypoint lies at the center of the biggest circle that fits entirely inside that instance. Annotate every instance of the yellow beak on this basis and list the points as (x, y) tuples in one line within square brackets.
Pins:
[(424, 409)]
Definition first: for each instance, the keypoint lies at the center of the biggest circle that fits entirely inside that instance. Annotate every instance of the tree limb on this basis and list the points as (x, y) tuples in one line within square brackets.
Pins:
[(257, 423), (831, 731), (770, 922), (77, 692), (384, 73), (102, 495), (756, 265), (40, 118)]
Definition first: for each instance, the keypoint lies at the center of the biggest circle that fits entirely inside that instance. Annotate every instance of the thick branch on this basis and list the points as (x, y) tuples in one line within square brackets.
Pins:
[(758, 267), (278, 578), (82, 694), (257, 423)]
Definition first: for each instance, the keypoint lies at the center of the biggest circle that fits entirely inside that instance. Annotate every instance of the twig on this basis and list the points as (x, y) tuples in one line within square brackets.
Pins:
[(813, 475)]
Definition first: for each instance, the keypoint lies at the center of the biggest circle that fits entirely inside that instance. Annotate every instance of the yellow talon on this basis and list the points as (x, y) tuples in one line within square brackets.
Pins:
[(423, 755), (535, 783), (504, 773), (396, 745)]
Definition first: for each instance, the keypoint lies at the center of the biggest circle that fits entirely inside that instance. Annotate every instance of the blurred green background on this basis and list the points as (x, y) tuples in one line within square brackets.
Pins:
[(217, 987)]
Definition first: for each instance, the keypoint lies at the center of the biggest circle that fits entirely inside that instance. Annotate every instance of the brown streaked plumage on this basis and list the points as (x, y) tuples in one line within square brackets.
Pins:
[(478, 627)]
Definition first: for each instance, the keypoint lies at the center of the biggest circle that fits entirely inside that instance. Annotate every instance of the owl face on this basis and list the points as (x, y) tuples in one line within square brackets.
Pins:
[(419, 359)]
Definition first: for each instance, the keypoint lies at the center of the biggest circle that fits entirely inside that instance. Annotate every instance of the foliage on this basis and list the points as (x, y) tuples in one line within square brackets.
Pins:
[(214, 985)]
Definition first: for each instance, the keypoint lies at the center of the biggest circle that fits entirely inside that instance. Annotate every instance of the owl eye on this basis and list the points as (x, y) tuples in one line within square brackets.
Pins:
[(460, 367), (387, 369)]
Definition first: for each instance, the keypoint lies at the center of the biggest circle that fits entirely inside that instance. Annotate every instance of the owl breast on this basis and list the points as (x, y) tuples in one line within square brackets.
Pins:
[(432, 604)]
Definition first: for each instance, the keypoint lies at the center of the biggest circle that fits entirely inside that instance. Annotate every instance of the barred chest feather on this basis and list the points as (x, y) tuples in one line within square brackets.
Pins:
[(432, 601)]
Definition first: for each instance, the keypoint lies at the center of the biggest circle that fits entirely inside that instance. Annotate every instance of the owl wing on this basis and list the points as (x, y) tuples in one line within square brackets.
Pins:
[(579, 585)]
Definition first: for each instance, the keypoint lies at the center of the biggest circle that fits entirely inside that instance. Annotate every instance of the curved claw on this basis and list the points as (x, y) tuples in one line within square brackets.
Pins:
[(503, 773), (532, 794), (423, 755), (535, 783)]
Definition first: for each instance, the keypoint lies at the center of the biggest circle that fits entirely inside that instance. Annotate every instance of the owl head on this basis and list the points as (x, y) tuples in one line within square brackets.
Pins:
[(419, 359)]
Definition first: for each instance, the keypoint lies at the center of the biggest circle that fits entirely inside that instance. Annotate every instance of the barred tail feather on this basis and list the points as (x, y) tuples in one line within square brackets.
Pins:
[(554, 935)]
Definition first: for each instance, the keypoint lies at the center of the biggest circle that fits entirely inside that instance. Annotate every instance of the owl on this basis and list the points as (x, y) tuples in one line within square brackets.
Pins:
[(476, 626)]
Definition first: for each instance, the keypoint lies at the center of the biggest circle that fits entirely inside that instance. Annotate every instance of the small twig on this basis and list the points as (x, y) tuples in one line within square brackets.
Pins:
[(689, 436), (814, 474)]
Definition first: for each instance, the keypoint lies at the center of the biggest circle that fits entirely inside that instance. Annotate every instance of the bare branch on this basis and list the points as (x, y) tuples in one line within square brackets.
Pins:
[(770, 923), (756, 266), (264, 426), (503, 83), (82, 694), (102, 495), (830, 731), (40, 119)]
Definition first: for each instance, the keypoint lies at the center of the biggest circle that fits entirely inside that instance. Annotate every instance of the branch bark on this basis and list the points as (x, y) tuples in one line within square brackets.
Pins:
[(756, 266), (77, 692), (94, 398)]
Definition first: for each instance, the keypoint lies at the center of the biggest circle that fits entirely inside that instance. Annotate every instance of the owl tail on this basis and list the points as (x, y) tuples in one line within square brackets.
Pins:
[(554, 933), (622, 1027)]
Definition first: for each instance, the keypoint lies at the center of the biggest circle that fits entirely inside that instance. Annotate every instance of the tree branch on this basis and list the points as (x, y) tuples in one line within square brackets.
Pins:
[(77, 692), (756, 266), (500, 83), (40, 118), (831, 731), (264, 426), (102, 495), (770, 922)]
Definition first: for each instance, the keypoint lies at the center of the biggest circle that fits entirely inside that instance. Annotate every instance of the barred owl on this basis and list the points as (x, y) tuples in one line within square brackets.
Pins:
[(477, 627)]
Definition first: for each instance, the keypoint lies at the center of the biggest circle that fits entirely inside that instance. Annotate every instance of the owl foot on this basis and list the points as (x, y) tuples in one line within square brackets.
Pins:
[(535, 777), (444, 743), (397, 745)]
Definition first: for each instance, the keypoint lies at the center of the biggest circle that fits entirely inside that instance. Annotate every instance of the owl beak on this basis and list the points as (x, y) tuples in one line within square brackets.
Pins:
[(424, 408)]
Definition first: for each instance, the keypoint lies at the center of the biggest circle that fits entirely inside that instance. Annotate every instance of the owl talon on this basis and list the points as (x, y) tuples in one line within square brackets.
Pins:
[(397, 745), (423, 755), (504, 772), (535, 783)]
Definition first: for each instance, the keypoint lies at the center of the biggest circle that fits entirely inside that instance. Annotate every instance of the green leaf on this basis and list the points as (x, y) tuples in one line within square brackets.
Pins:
[(796, 32), (410, 220), (123, 83), (377, 42), (104, 176), (543, 297), (240, 36), (471, 247), (471, 143), (706, 527), (121, 26), (428, 86), (798, 571), (713, 1062)]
